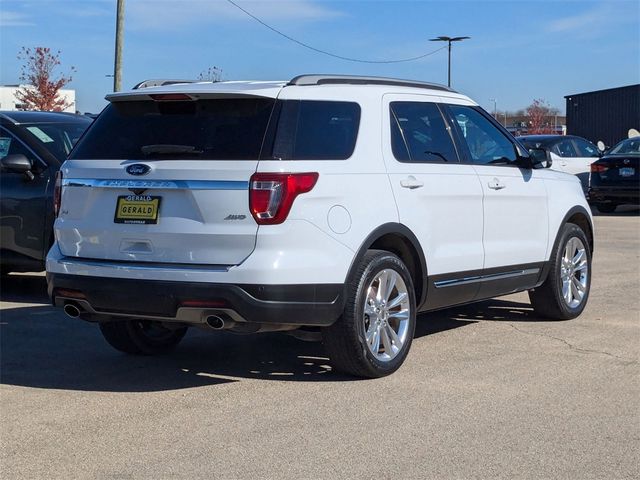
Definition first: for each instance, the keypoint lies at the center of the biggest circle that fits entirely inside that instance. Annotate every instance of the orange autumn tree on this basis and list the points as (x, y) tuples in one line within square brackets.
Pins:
[(42, 88), (538, 114)]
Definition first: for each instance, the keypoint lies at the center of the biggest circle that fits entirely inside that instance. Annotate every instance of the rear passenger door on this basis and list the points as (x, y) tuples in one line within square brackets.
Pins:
[(515, 208), (438, 198)]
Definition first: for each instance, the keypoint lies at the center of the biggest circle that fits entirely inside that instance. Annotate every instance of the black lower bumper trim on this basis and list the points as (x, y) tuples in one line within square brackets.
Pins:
[(317, 305), (615, 194)]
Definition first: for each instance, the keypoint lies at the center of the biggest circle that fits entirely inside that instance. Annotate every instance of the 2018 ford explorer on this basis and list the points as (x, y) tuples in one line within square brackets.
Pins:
[(344, 204)]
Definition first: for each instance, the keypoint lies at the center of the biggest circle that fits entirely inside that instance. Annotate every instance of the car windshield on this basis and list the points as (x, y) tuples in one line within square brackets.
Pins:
[(58, 138), (631, 146), (531, 143)]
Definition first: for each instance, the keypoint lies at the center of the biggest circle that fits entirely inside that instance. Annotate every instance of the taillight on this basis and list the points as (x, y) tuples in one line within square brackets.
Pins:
[(57, 193), (598, 168), (271, 195)]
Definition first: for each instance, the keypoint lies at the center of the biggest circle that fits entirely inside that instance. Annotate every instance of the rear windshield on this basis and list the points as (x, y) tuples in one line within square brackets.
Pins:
[(630, 146), (223, 129)]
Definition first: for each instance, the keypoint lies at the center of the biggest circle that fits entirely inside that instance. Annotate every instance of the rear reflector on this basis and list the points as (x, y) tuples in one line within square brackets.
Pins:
[(271, 195), (60, 292), (170, 97), (598, 168), (204, 304)]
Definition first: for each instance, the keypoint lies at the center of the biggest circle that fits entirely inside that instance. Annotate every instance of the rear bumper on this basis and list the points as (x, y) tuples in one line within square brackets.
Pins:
[(614, 194), (102, 298)]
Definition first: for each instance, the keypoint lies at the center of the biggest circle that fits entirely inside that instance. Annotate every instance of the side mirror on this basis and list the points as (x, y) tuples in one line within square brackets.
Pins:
[(18, 163), (540, 158)]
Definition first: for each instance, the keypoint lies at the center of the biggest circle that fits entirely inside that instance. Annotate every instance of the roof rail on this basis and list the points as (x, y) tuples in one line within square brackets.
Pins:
[(161, 83), (362, 80)]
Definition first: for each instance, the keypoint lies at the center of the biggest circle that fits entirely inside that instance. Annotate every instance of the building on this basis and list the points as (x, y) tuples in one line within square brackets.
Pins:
[(8, 100), (605, 115)]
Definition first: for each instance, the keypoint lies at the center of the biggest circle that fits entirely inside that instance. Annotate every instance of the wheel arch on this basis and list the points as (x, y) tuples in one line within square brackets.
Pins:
[(579, 216), (399, 240)]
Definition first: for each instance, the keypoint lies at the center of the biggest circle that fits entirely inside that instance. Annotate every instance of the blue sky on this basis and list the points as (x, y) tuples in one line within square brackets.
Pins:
[(519, 50)]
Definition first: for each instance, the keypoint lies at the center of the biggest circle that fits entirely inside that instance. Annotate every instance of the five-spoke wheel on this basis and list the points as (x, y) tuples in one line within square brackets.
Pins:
[(564, 293), (374, 333)]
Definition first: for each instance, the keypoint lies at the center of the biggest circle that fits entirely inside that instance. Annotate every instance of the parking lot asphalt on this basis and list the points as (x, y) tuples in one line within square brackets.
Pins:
[(488, 391)]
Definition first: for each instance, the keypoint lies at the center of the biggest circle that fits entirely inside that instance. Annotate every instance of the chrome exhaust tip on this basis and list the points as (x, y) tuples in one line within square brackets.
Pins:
[(72, 310), (215, 322)]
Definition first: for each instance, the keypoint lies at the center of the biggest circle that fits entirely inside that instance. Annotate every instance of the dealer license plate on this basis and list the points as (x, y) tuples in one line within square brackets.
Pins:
[(627, 172), (142, 209)]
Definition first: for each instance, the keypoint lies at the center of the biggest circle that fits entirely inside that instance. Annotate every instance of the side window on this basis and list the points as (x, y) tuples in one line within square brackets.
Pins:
[(9, 145), (487, 144), (565, 148), (316, 130), (419, 133), (585, 148)]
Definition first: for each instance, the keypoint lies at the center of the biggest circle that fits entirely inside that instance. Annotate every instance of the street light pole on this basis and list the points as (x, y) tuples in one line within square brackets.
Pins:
[(117, 67), (495, 108), (448, 40)]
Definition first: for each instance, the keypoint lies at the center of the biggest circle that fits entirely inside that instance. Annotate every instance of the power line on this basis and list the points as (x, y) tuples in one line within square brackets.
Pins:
[(349, 59)]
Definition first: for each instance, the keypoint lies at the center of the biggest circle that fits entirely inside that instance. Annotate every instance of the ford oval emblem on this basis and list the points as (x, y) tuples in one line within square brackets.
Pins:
[(138, 169)]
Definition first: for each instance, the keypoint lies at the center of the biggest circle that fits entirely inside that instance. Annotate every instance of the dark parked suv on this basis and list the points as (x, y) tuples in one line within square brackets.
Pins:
[(33, 145)]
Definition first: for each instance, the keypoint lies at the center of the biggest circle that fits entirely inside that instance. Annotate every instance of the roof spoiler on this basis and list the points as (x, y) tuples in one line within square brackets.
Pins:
[(162, 82)]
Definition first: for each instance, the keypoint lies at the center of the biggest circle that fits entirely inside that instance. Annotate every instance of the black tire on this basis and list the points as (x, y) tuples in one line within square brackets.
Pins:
[(547, 299), (345, 339), (141, 337), (606, 207)]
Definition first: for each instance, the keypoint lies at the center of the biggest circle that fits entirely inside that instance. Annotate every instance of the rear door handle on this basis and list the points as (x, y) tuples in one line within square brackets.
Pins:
[(495, 184), (411, 182)]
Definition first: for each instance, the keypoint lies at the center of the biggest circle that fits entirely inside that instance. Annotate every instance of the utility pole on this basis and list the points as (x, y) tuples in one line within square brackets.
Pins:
[(449, 40), (117, 67), (495, 107)]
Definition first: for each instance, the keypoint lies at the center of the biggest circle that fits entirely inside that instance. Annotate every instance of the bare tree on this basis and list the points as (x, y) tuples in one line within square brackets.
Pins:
[(42, 88), (538, 116), (212, 74)]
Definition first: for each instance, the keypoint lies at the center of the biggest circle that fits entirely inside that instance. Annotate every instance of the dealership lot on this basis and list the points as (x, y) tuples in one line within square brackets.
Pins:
[(488, 391)]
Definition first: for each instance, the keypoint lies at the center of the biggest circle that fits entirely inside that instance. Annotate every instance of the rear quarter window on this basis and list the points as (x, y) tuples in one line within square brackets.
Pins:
[(316, 130)]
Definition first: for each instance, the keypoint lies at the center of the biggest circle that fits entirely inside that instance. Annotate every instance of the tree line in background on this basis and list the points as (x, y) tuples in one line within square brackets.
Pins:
[(42, 90), (538, 118)]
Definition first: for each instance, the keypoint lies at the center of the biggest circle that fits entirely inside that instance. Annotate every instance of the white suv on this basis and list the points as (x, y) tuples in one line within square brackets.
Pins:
[(329, 204)]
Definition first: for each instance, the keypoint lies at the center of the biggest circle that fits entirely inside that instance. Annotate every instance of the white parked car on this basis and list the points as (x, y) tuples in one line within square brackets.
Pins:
[(341, 204), (568, 153)]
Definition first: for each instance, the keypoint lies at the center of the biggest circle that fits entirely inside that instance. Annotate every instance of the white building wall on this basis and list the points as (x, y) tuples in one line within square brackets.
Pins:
[(8, 100)]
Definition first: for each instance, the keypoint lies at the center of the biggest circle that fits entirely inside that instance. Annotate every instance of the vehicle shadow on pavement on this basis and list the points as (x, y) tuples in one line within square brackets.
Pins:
[(41, 348), (489, 310)]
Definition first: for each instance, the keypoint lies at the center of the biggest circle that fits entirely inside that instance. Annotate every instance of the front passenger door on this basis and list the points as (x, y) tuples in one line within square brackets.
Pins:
[(515, 204), (23, 209)]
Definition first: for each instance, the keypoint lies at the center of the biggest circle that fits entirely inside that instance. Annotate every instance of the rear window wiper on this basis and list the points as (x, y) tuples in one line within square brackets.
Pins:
[(168, 149)]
